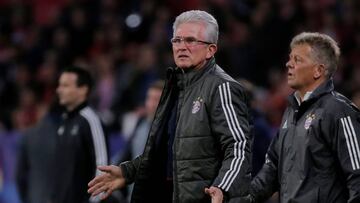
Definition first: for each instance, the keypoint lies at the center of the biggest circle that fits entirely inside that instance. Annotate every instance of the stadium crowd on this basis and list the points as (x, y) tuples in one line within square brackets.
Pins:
[(126, 46)]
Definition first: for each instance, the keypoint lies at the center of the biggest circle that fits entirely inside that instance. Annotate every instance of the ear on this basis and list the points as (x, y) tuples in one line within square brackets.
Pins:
[(212, 48), (319, 71), (84, 91)]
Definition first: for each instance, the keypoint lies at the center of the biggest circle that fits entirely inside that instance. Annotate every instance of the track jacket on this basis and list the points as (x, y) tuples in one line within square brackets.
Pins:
[(80, 147), (212, 140), (316, 156)]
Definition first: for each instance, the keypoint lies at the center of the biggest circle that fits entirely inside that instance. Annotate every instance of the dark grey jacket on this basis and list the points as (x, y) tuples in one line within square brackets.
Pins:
[(35, 161), (315, 157), (212, 141)]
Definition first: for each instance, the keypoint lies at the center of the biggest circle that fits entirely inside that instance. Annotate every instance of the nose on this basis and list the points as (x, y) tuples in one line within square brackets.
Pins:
[(289, 64)]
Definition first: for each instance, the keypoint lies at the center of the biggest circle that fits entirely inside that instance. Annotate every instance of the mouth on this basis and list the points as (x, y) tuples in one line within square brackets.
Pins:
[(182, 56)]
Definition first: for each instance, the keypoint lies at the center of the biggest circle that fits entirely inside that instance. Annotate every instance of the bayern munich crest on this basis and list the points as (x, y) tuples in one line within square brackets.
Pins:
[(309, 119), (196, 105)]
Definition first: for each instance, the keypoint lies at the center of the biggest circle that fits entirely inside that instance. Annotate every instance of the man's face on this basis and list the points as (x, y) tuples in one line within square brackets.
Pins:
[(195, 55), (301, 69), (70, 95)]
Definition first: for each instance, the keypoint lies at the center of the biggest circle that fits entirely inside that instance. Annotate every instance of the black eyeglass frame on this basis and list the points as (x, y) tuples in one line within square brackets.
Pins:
[(188, 41)]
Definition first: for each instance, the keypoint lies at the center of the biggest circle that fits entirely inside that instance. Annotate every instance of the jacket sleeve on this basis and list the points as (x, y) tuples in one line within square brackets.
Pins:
[(346, 145), (230, 123), (97, 139), (129, 169), (265, 183)]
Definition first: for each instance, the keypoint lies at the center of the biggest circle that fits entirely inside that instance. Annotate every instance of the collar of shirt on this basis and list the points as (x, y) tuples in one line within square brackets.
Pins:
[(298, 98), (70, 114)]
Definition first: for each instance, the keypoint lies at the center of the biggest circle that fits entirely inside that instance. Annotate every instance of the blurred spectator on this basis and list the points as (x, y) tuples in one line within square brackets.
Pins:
[(47, 12), (134, 79), (46, 78), (137, 135), (27, 112), (8, 152), (17, 79), (263, 132), (77, 19), (105, 88), (36, 160), (240, 52), (138, 125), (276, 99), (61, 48)]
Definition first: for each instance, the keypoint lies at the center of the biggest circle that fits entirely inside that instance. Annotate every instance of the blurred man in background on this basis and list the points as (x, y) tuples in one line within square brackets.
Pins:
[(137, 138), (80, 143)]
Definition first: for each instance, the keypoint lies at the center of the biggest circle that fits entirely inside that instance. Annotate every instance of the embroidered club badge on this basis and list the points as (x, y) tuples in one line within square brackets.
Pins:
[(309, 119), (196, 105)]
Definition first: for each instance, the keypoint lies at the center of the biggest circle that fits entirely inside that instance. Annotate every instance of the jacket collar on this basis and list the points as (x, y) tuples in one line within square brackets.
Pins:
[(187, 77), (69, 114), (324, 88)]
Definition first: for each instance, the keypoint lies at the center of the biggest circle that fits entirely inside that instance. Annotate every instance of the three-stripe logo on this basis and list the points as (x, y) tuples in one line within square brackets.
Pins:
[(236, 132), (351, 142)]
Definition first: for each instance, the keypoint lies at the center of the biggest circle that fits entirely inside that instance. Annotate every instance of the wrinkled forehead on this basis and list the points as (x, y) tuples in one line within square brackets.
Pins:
[(301, 47), (191, 28)]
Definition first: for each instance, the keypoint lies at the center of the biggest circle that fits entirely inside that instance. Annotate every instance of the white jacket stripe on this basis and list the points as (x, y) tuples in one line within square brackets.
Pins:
[(221, 185), (351, 142), (237, 133), (97, 136), (241, 142), (356, 143)]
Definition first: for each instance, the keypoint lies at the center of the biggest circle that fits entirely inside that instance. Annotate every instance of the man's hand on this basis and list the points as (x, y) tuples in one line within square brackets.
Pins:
[(215, 193), (107, 182)]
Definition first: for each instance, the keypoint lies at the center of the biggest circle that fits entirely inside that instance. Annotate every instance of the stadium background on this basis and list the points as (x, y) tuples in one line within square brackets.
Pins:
[(125, 44)]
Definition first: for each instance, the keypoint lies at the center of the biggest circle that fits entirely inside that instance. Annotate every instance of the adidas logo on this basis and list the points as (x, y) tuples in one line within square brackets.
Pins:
[(285, 125)]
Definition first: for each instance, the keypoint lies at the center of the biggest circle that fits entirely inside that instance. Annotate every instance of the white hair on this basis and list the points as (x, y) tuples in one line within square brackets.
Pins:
[(212, 28)]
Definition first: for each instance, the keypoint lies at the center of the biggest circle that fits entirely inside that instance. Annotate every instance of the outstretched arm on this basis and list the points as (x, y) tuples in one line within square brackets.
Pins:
[(111, 179)]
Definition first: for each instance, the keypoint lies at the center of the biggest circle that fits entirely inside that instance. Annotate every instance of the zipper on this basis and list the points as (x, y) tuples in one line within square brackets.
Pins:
[(178, 110)]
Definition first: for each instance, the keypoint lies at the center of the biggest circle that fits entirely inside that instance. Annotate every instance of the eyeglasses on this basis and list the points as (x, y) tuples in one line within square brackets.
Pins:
[(189, 41)]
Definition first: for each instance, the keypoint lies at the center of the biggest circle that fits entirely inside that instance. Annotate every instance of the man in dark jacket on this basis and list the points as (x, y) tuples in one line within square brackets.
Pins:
[(315, 156), (198, 148), (35, 161), (80, 142)]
